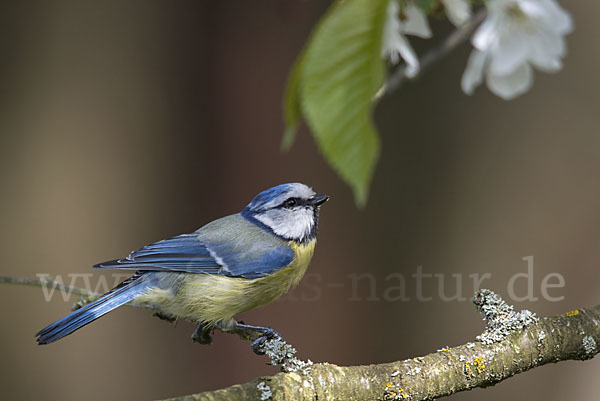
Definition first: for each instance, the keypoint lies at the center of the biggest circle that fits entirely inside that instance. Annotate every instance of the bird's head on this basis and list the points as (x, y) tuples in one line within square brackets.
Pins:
[(290, 211)]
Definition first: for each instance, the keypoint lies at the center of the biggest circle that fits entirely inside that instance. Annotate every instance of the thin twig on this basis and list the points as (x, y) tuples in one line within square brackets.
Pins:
[(457, 37), (44, 282)]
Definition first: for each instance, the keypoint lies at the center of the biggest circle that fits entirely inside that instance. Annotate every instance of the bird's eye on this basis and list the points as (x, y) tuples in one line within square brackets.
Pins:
[(290, 203)]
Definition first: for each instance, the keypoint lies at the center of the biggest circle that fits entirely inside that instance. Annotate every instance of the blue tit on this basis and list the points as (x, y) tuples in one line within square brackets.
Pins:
[(227, 267)]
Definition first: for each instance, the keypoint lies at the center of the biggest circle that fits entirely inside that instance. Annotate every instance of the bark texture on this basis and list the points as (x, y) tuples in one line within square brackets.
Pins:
[(502, 351), (512, 343)]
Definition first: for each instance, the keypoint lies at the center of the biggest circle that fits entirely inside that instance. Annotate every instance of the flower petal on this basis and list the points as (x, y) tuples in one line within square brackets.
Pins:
[(550, 13), (409, 56), (512, 50), (486, 35), (510, 86), (416, 22), (546, 50), (457, 11), (391, 33), (473, 75)]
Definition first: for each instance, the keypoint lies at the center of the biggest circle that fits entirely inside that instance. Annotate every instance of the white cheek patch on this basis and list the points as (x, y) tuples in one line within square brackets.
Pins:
[(266, 220), (293, 224)]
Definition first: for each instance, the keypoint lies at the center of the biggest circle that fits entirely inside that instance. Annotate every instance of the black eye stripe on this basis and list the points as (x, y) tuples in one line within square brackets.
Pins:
[(293, 202)]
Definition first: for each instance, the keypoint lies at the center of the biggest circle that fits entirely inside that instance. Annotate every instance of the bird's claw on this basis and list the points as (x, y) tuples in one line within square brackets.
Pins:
[(258, 345), (202, 335), (163, 316)]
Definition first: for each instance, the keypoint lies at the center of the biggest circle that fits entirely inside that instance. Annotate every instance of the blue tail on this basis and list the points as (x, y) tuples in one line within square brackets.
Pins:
[(119, 296)]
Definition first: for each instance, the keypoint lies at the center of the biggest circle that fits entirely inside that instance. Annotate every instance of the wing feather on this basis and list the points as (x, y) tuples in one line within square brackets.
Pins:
[(184, 253), (187, 253)]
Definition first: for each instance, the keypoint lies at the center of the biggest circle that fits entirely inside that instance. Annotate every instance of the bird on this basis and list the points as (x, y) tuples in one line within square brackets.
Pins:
[(229, 266)]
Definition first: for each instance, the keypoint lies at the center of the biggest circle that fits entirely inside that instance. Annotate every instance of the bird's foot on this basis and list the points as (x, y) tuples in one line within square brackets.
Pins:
[(266, 341), (270, 335), (202, 334), (265, 335), (162, 316)]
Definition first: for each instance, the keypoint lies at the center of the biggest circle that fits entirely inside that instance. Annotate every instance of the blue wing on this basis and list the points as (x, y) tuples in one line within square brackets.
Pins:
[(186, 253), (181, 253)]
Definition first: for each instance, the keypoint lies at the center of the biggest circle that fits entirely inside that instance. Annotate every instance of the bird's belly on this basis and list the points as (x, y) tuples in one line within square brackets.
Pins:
[(212, 298)]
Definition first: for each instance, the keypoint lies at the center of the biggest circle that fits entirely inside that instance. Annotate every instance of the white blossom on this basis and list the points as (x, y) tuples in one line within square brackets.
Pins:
[(457, 11), (516, 35), (395, 45)]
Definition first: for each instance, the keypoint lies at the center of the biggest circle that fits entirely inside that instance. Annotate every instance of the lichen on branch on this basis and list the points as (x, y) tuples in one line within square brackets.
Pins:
[(512, 343)]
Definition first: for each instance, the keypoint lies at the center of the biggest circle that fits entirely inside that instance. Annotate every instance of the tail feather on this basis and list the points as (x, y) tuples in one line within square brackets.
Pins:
[(119, 296)]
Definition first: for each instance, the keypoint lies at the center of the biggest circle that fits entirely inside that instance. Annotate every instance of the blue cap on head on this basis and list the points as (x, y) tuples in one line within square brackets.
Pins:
[(290, 211), (272, 197)]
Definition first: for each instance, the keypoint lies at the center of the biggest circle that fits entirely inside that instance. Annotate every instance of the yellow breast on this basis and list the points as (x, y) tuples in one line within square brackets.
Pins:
[(291, 275), (211, 298)]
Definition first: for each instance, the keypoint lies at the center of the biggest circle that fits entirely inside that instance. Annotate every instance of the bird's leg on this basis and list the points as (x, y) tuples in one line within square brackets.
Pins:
[(266, 341), (202, 334), (264, 334)]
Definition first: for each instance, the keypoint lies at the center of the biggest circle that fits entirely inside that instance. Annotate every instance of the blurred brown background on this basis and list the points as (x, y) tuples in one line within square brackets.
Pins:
[(125, 122)]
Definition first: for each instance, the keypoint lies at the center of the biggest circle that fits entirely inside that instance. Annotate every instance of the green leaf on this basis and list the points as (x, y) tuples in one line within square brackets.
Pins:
[(291, 104), (342, 69)]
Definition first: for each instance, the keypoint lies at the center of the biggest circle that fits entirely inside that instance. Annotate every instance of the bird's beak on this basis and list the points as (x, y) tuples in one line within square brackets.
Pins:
[(318, 199)]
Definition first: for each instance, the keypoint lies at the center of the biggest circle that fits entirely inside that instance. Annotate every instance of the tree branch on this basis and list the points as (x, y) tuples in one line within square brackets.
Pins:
[(513, 342), (457, 37)]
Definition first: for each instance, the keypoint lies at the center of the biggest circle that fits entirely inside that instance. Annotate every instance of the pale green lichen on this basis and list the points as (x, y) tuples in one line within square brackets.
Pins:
[(500, 317), (540, 345), (265, 391), (589, 346), (282, 353), (541, 335), (413, 371)]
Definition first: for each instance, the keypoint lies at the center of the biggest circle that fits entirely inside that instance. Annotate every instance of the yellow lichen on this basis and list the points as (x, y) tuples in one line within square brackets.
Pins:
[(479, 364), (467, 369), (573, 313), (393, 393)]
